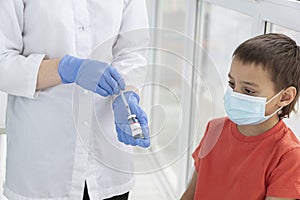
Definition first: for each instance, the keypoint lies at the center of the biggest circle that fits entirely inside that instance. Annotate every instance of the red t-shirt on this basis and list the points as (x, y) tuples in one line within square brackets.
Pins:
[(232, 166)]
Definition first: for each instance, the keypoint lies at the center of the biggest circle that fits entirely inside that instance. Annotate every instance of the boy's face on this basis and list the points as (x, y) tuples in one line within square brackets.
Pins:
[(253, 80)]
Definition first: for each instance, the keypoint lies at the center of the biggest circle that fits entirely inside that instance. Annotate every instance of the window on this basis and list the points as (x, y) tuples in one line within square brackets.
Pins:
[(192, 52)]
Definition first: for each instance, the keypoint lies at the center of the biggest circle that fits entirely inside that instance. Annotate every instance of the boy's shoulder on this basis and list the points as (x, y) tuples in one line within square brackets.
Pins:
[(219, 122), (289, 140), (212, 134)]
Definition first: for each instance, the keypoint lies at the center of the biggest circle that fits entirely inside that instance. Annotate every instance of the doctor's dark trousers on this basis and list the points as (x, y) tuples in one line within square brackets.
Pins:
[(120, 197)]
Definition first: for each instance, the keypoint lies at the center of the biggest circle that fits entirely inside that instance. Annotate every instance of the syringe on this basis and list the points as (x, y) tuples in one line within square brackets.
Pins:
[(132, 120)]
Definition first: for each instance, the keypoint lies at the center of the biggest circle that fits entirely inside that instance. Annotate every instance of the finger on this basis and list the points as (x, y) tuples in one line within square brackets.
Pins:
[(124, 138), (121, 135), (118, 132), (101, 92), (117, 77), (143, 142), (112, 83), (145, 130), (121, 130), (143, 122), (130, 140), (127, 135), (133, 107), (105, 86), (140, 114)]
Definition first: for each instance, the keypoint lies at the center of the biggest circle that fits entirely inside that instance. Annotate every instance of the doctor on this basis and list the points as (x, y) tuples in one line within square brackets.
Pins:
[(62, 131)]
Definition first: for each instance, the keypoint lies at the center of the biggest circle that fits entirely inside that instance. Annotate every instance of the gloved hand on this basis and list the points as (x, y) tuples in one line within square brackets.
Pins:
[(121, 120), (96, 76)]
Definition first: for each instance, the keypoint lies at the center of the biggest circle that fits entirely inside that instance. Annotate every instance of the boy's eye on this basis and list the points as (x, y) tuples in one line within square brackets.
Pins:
[(248, 91), (231, 84)]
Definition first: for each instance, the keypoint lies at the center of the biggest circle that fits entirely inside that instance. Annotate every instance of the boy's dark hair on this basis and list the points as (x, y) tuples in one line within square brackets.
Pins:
[(279, 55)]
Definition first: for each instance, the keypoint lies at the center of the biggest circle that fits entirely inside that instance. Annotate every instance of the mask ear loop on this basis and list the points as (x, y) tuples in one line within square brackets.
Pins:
[(279, 109), (274, 96)]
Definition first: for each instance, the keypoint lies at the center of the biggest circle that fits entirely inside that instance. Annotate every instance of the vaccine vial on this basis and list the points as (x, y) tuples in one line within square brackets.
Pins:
[(135, 127)]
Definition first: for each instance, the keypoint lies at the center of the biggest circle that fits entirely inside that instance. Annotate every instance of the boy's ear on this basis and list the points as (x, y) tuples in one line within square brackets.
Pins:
[(287, 96)]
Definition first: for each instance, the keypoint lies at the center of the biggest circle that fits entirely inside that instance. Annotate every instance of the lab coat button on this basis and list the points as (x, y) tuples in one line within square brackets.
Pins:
[(81, 28), (85, 91), (85, 123)]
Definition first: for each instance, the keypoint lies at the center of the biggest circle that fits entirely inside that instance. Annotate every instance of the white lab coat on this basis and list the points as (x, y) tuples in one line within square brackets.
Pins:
[(61, 136)]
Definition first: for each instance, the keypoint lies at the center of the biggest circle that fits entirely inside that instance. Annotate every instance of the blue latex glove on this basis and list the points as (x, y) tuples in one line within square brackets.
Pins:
[(121, 120), (96, 76)]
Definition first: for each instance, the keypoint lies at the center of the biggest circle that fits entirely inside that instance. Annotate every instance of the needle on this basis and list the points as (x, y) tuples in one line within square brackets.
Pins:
[(125, 102)]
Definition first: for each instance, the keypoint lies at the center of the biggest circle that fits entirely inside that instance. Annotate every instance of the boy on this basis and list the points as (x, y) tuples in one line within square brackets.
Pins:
[(252, 154)]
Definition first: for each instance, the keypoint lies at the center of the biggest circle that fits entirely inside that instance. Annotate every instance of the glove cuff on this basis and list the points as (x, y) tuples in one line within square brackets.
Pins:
[(68, 68)]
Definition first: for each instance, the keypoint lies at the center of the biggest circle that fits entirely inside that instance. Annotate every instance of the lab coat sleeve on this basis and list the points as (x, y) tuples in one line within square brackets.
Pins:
[(18, 73), (130, 48)]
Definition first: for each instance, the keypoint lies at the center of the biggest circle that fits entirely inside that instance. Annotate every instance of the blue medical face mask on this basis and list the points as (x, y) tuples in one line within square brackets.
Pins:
[(245, 109)]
